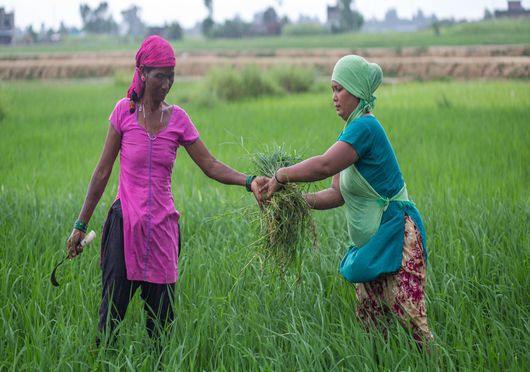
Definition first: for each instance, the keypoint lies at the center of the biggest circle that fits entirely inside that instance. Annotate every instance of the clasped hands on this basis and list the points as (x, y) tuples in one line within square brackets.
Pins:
[(263, 187)]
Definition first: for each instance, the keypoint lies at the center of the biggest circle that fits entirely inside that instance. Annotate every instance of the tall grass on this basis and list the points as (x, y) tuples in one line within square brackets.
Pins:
[(230, 84), (233, 85), (466, 167), (2, 108), (294, 79)]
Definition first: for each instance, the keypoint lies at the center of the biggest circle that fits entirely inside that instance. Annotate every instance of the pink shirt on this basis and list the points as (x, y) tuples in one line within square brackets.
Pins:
[(150, 220)]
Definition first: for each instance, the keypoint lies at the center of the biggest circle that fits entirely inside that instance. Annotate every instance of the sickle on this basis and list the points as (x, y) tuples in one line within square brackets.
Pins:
[(88, 238)]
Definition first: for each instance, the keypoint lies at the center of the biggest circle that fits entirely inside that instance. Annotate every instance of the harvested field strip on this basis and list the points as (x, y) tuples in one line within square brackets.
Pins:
[(396, 63)]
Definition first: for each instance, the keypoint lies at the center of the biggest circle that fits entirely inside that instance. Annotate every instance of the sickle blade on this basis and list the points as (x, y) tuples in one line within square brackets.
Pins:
[(54, 281), (87, 240)]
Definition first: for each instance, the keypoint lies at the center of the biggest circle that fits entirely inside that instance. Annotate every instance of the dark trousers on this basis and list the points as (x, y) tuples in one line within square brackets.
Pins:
[(117, 290)]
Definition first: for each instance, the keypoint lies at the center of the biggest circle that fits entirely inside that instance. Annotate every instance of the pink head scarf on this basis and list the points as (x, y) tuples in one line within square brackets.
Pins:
[(155, 51)]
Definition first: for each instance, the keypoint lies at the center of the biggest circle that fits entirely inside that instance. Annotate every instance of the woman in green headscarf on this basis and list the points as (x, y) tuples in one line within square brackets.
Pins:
[(387, 255)]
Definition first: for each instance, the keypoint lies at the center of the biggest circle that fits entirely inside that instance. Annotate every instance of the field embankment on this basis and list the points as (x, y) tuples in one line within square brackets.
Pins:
[(423, 63)]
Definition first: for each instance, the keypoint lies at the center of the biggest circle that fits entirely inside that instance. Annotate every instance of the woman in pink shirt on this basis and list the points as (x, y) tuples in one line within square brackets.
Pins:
[(140, 243)]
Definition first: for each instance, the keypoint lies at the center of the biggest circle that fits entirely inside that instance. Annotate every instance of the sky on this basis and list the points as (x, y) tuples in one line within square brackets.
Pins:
[(188, 12)]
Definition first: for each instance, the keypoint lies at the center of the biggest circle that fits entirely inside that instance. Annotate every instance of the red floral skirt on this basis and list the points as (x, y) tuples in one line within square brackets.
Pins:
[(401, 294)]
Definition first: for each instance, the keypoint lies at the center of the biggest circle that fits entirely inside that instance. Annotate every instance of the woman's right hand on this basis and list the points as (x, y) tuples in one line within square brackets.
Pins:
[(272, 186), (73, 244)]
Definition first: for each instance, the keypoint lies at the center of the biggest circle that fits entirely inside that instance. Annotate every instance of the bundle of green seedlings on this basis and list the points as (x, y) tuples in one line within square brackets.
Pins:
[(286, 225)]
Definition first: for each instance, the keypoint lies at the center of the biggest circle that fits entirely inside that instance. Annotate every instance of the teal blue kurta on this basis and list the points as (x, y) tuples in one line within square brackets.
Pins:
[(378, 165)]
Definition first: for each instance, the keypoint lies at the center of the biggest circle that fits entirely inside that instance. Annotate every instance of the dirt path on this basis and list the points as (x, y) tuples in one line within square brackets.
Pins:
[(471, 62)]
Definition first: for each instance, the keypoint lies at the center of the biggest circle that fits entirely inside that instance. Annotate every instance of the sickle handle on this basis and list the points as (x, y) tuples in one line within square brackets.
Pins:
[(88, 238)]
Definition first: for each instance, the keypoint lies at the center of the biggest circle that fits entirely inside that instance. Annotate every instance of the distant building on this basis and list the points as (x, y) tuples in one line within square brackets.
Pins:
[(393, 23), (7, 27), (515, 9), (333, 20)]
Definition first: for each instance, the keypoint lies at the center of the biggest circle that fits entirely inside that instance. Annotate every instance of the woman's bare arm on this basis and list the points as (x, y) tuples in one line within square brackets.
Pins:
[(328, 198), (96, 187), (337, 158), (101, 174), (212, 167), (220, 172)]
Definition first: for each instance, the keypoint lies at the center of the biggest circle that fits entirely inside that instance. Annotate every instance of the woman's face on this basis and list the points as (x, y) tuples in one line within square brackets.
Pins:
[(343, 100), (158, 82)]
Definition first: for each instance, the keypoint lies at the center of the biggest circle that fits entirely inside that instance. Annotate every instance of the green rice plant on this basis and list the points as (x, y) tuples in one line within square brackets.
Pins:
[(2, 109), (229, 319), (255, 83), (268, 162), (294, 79), (122, 78), (286, 224), (225, 83), (230, 84), (233, 85)]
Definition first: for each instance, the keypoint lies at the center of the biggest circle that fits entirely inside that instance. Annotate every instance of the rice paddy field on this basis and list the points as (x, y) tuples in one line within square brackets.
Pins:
[(463, 148)]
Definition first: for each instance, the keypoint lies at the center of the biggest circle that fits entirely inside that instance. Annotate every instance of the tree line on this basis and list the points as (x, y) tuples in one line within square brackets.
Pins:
[(99, 20)]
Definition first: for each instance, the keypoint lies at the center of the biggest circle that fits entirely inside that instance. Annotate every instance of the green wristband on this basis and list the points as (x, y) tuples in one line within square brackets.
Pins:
[(248, 183), (80, 225)]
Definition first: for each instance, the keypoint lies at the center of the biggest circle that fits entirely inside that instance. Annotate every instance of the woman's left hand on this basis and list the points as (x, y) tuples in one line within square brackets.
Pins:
[(259, 187)]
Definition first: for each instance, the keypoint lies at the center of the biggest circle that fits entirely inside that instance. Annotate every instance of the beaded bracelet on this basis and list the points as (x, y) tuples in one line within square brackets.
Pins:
[(80, 225), (248, 183)]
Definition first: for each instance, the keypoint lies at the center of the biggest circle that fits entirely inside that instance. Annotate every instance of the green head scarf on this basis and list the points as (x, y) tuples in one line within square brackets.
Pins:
[(361, 78)]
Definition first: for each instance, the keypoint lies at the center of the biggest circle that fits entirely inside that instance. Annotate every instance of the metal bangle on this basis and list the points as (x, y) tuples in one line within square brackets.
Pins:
[(277, 180)]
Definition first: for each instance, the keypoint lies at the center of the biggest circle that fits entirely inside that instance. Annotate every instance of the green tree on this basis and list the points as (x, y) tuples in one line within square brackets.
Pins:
[(174, 31), (232, 28), (270, 16), (350, 20), (487, 14), (135, 26), (31, 33), (208, 23), (271, 21), (209, 5), (97, 20), (436, 28), (63, 30), (207, 27)]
